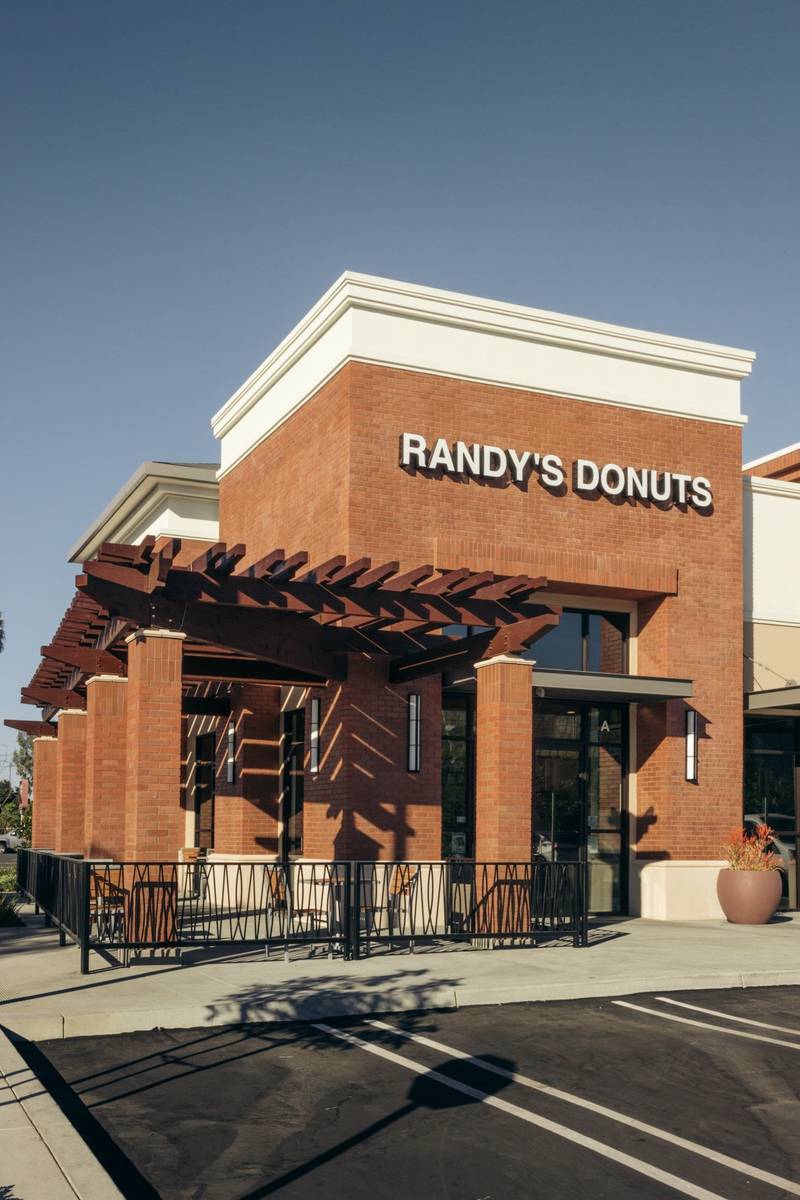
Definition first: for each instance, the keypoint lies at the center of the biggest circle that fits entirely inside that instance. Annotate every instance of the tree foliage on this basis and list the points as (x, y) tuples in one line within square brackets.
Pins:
[(22, 757)]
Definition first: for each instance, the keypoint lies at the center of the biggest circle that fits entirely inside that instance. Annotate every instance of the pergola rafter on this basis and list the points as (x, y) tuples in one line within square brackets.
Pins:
[(280, 620)]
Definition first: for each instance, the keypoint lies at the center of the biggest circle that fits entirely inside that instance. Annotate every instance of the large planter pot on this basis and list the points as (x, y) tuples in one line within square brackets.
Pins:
[(748, 897)]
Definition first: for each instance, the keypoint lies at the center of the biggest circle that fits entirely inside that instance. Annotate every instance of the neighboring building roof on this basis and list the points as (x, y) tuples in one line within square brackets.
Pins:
[(364, 318), (161, 498), (780, 464)]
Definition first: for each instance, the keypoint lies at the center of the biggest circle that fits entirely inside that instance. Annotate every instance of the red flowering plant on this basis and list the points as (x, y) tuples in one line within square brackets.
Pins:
[(751, 851)]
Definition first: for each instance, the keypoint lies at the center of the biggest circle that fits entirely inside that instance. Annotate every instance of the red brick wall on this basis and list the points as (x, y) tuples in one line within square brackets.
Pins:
[(70, 782), (45, 766), (154, 818), (504, 762), (327, 480), (292, 490), (364, 803), (246, 811), (106, 739), (782, 466)]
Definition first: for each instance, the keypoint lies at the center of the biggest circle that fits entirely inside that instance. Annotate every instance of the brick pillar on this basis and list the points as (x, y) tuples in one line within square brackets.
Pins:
[(154, 819), (504, 759), (364, 803), (246, 811), (70, 781), (45, 763), (106, 734)]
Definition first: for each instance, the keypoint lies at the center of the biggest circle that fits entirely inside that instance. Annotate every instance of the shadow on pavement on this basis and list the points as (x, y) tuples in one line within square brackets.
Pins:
[(108, 1153), (426, 1091)]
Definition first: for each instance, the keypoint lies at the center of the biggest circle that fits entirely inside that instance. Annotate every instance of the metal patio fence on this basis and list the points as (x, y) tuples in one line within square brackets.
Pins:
[(350, 908)]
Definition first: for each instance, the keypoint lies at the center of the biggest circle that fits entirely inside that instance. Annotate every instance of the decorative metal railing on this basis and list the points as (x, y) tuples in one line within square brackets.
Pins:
[(351, 908)]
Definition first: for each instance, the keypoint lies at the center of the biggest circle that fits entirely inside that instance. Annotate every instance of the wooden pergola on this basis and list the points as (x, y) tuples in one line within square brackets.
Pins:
[(279, 620)]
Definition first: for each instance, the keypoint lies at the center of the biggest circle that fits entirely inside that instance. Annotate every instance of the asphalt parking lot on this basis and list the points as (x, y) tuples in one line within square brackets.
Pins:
[(639, 1097)]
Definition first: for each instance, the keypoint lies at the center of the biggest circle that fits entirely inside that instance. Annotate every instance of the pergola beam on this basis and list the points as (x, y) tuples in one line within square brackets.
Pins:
[(282, 639), (53, 697), (456, 653), (392, 603), (88, 660), (33, 728)]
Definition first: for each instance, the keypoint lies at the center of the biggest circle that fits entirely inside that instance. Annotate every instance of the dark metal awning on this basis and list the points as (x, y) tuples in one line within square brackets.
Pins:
[(594, 685), (773, 698)]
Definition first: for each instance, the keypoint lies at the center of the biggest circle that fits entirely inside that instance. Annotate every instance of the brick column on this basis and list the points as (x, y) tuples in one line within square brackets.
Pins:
[(70, 781), (504, 759), (45, 761), (246, 811), (106, 734), (154, 819)]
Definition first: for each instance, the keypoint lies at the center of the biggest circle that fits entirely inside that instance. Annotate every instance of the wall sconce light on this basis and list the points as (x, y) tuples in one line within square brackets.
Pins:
[(313, 758), (230, 765), (414, 732), (691, 745)]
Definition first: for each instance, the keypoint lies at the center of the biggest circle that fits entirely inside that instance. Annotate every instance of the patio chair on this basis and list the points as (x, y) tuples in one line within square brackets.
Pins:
[(313, 903), (107, 902), (399, 894)]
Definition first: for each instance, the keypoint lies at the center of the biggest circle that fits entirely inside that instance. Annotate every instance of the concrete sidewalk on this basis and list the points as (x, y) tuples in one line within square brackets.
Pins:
[(41, 1154), (42, 994)]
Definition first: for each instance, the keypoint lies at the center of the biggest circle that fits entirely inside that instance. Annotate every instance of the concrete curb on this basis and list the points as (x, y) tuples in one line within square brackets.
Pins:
[(310, 1006), (43, 1155)]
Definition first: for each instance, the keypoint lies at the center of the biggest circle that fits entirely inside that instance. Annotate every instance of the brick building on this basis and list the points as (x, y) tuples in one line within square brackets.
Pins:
[(467, 582)]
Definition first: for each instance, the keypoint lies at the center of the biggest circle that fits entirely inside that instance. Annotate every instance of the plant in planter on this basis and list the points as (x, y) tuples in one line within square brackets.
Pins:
[(749, 888)]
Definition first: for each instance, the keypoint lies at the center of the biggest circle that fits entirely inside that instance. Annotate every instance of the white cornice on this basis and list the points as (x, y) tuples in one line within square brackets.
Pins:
[(403, 326), (147, 493), (765, 458), (772, 487)]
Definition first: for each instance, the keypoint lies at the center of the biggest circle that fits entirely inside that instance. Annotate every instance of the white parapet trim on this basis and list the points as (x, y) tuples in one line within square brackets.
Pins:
[(159, 500), (363, 318), (676, 889), (771, 517)]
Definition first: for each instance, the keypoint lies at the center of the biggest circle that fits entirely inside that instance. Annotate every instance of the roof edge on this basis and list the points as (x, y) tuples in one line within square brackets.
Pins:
[(148, 478), (354, 290)]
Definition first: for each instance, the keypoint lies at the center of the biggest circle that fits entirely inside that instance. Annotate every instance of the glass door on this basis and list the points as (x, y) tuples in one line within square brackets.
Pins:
[(558, 802), (772, 790), (578, 793), (458, 773)]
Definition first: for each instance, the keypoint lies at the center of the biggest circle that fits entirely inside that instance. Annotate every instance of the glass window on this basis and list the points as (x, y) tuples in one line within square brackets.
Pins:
[(555, 721), (770, 733), (457, 758), (606, 636), (561, 648), (584, 641), (293, 752), (605, 723)]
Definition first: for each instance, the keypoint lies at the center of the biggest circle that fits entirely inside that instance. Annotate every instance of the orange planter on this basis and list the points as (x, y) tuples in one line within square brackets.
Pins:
[(748, 897)]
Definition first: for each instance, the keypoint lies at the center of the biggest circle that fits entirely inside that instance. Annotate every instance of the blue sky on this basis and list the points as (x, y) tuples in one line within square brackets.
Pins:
[(182, 180)]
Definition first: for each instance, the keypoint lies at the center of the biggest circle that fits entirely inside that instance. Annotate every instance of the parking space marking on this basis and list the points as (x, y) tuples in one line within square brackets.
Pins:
[(678, 1184), (725, 1160), (713, 1012), (741, 1033)]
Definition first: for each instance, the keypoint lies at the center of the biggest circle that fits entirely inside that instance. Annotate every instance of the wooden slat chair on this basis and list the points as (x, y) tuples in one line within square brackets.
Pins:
[(402, 884), (194, 877), (107, 901), (276, 903), (311, 913)]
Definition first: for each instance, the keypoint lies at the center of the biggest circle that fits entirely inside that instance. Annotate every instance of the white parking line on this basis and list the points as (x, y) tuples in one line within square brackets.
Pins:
[(712, 1012), (684, 1186), (753, 1037), (725, 1160)]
